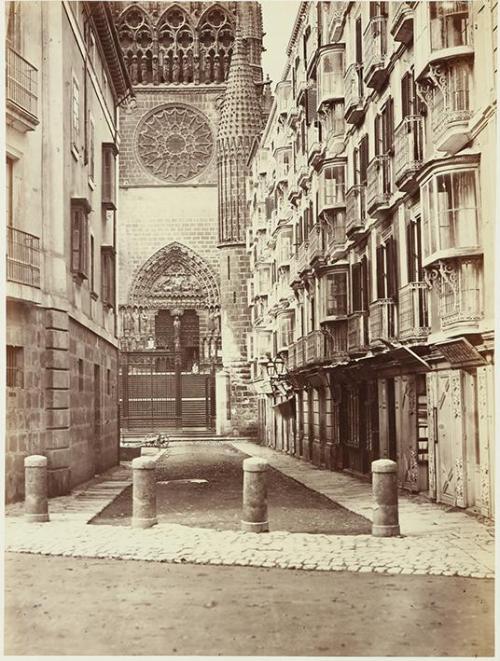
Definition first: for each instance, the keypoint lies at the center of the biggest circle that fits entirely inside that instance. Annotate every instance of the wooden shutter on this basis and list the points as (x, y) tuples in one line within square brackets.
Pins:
[(365, 284), (359, 42), (311, 104), (388, 126), (363, 159), (377, 134), (418, 235), (392, 268), (75, 239), (380, 271), (356, 287), (410, 251)]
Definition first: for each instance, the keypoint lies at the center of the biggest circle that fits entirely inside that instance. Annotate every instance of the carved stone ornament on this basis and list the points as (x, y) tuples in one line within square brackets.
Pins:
[(175, 142)]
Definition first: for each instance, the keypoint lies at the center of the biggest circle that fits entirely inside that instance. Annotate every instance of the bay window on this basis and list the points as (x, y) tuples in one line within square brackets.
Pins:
[(450, 211), (335, 296), (450, 24)]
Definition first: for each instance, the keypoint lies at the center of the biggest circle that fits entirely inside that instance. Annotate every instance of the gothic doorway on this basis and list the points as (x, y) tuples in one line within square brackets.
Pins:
[(170, 343)]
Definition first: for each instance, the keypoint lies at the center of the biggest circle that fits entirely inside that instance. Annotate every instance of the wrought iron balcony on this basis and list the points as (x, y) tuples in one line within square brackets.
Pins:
[(21, 91), (376, 61), (379, 187), (401, 26), (408, 151), (355, 209), (23, 257), (382, 326), (354, 108), (413, 312), (357, 333)]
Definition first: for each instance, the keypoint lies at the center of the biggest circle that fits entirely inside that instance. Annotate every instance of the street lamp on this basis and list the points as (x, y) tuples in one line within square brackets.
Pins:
[(276, 368)]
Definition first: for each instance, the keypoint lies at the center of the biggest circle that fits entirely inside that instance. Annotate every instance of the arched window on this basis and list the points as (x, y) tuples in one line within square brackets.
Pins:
[(136, 39), (216, 37), (176, 47)]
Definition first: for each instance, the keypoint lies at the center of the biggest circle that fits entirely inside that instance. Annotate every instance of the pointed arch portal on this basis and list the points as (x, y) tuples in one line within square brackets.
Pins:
[(170, 342)]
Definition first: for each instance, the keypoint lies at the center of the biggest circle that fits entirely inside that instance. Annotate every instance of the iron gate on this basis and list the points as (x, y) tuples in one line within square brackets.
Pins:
[(155, 393)]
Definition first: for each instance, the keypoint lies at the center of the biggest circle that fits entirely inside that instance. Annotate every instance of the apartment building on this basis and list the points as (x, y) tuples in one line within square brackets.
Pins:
[(372, 198), (65, 77)]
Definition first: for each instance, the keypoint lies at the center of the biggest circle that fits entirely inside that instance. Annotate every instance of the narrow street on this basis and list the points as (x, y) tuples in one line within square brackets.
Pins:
[(151, 608)]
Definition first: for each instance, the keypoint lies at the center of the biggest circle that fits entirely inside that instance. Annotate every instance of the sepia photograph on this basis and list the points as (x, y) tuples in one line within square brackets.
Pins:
[(249, 325)]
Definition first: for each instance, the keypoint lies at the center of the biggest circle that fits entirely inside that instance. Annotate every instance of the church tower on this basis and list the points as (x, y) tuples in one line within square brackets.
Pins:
[(196, 92), (240, 123)]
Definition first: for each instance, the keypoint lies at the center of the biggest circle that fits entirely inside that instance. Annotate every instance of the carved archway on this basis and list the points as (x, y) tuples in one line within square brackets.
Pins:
[(175, 276)]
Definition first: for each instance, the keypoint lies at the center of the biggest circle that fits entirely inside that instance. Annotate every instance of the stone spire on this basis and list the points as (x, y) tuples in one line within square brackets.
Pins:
[(240, 115), (240, 122)]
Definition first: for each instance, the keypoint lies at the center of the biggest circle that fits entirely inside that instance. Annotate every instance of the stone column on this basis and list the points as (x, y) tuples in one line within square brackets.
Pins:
[(143, 493), (36, 507), (385, 495), (254, 496)]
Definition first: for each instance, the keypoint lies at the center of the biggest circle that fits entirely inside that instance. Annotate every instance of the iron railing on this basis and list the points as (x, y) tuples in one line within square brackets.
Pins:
[(22, 82), (413, 311), (23, 257), (408, 147)]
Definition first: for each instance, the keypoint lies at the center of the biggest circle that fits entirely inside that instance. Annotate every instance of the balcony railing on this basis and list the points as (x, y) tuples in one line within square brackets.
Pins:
[(413, 312), (23, 257), (315, 250), (379, 185), (450, 119), (357, 333), (316, 347), (303, 257), (354, 93), (402, 21), (22, 82), (300, 352), (382, 325), (376, 51), (409, 150), (355, 208)]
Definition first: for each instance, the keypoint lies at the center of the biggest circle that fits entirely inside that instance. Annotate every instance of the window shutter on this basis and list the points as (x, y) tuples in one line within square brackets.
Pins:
[(392, 270), (418, 235), (356, 287), (311, 104), (363, 159), (390, 125), (359, 42), (84, 242), (75, 240), (380, 272), (365, 284), (377, 136)]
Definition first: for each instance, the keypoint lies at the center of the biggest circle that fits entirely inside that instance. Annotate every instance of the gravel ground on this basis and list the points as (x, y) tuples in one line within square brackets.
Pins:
[(214, 499), (68, 606)]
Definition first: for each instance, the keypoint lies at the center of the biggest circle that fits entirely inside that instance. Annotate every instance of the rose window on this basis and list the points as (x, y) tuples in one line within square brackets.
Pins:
[(175, 143)]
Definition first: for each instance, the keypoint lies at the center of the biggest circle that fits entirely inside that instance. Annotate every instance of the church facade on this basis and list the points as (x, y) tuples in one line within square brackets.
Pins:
[(181, 242)]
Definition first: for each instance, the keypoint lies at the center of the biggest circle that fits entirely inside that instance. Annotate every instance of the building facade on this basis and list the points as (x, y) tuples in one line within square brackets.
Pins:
[(65, 78), (372, 199), (182, 259)]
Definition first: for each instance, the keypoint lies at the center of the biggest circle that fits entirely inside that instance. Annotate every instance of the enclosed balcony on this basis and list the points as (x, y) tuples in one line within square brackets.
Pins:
[(330, 75), (458, 285), (337, 10), (408, 152), (316, 249), (379, 186), (357, 333), (303, 257), (336, 236), (285, 331), (451, 108), (315, 147), (21, 92), (450, 214), (317, 347), (382, 321), (355, 209), (401, 21), (331, 189), (283, 93), (300, 352), (450, 25), (354, 108), (377, 60), (23, 258), (413, 312)]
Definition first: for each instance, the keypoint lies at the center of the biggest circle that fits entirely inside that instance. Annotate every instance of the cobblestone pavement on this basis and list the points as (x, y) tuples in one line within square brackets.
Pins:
[(437, 543)]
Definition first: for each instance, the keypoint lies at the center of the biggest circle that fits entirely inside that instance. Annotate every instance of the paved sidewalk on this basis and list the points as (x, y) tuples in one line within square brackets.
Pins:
[(434, 542)]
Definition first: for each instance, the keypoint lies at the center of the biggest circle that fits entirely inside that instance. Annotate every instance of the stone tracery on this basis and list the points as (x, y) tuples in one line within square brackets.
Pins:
[(177, 47), (175, 142)]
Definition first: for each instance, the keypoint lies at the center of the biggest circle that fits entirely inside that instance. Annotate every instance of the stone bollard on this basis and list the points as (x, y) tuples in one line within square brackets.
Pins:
[(385, 495), (143, 493), (36, 507), (254, 496)]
